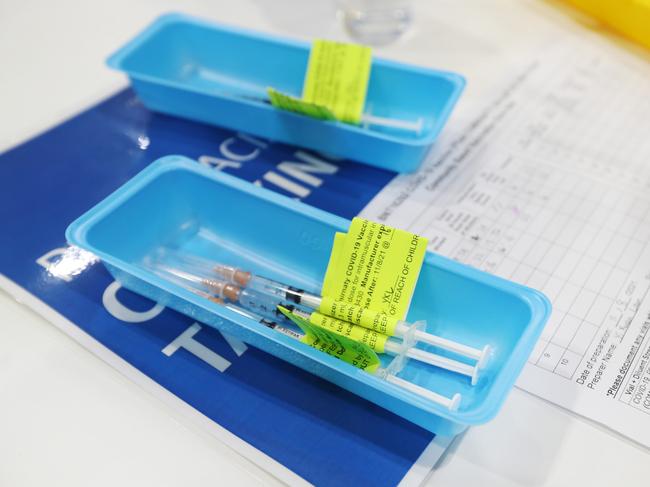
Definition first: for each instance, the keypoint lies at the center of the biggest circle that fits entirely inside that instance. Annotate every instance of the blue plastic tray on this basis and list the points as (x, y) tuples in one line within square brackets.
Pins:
[(177, 202), (217, 74)]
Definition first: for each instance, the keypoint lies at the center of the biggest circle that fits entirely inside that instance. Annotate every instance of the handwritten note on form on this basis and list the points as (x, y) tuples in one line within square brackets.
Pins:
[(550, 187)]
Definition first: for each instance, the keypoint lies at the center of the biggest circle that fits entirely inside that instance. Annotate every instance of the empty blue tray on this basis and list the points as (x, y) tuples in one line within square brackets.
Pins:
[(219, 75), (179, 203)]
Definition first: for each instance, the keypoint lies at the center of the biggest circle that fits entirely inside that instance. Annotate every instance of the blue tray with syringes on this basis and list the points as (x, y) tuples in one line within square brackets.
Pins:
[(176, 203), (211, 73)]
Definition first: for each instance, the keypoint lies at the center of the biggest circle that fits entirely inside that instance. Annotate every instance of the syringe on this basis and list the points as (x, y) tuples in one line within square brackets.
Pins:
[(246, 279), (450, 403), (367, 119), (394, 123), (267, 304), (394, 347), (312, 301)]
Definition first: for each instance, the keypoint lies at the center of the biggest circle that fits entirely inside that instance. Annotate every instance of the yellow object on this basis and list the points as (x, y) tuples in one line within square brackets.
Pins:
[(358, 354), (293, 104), (337, 248), (629, 17), (337, 78), (372, 274), (371, 319), (374, 339)]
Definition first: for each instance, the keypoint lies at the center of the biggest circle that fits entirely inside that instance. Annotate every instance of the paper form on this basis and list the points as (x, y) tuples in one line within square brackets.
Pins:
[(550, 187)]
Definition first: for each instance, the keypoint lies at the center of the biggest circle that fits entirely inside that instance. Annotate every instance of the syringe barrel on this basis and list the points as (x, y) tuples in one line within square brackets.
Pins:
[(260, 303), (274, 288)]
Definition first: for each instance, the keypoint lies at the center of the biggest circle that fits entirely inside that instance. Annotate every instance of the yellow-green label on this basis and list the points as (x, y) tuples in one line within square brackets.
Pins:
[(337, 248), (378, 321), (337, 78), (373, 270), (372, 338), (358, 354), (296, 105)]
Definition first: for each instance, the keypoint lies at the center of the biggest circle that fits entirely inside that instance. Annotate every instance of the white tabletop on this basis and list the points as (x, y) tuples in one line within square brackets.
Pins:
[(67, 418)]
